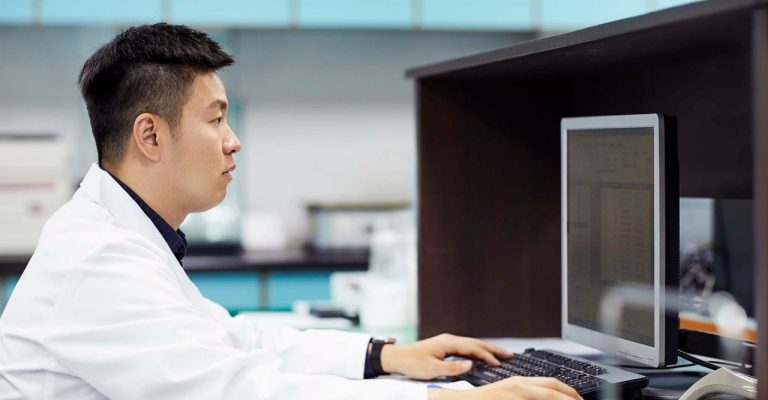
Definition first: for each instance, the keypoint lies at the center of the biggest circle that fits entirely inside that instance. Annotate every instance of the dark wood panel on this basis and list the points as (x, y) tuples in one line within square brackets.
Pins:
[(489, 210), (760, 226), (489, 142), (709, 94)]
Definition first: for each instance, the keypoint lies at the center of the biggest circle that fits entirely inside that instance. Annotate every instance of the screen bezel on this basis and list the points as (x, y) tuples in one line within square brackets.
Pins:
[(612, 345)]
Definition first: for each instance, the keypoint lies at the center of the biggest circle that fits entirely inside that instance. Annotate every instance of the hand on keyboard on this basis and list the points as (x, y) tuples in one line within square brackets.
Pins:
[(517, 388), (587, 378), (580, 375), (425, 359)]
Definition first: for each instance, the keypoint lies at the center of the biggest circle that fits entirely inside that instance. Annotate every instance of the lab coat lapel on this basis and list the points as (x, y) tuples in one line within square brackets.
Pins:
[(104, 190)]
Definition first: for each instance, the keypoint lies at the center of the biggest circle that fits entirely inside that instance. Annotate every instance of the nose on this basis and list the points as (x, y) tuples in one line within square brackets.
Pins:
[(231, 144)]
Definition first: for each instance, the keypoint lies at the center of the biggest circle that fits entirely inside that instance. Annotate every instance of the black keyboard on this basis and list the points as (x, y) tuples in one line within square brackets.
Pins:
[(589, 378)]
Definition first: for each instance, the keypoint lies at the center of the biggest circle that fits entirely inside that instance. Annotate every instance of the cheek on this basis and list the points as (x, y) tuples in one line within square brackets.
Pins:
[(198, 159), (196, 151)]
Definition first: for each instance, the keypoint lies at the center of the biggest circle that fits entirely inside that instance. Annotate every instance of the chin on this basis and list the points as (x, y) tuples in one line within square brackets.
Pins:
[(219, 198), (210, 202)]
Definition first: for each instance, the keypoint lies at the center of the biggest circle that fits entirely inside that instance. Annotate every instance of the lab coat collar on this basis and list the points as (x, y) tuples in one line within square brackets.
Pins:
[(104, 190)]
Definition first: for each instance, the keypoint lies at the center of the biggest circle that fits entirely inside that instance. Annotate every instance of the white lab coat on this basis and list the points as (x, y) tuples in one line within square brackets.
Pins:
[(104, 310)]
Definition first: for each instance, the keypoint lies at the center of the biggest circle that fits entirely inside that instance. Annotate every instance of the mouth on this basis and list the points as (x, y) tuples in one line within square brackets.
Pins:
[(229, 170)]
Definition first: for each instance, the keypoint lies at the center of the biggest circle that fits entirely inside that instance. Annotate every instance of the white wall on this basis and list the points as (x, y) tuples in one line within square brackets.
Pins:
[(329, 115), (38, 82), (324, 115)]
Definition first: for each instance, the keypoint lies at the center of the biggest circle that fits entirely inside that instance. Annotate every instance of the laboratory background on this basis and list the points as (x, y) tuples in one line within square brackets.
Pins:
[(319, 226)]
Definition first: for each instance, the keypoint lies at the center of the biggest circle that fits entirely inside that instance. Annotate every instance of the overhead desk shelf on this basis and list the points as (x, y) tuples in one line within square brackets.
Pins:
[(489, 152)]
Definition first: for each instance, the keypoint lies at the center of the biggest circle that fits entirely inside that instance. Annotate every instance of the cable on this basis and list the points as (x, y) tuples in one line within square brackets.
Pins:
[(674, 374), (731, 363), (631, 367), (696, 360), (743, 368)]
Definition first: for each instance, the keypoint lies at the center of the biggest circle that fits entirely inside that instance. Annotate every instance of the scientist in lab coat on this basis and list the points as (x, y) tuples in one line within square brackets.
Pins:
[(104, 308)]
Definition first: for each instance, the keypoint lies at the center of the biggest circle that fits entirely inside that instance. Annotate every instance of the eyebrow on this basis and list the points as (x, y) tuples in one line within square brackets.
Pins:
[(218, 102)]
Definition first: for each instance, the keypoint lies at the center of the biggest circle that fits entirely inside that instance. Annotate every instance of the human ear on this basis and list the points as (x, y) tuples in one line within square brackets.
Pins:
[(145, 135)]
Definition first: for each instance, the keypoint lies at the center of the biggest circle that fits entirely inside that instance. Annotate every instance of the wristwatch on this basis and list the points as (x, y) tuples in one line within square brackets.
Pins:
[(375, 355)]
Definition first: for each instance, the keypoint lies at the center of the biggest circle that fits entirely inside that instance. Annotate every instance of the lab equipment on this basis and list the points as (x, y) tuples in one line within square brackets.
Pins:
[(34, 182), (722, 381)]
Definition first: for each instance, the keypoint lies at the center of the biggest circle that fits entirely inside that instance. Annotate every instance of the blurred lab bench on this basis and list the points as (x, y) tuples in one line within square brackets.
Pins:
[(302, 321), (279, 260), (263, 280)]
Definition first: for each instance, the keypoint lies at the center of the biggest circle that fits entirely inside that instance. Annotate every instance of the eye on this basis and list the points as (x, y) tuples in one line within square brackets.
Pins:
[(217, 121)]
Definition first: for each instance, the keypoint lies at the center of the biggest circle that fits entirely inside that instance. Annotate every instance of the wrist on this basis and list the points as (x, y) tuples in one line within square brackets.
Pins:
[(389, 358), (376, 357)]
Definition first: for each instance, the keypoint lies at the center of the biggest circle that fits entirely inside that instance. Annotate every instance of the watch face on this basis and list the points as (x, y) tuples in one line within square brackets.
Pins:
[(385, 340)]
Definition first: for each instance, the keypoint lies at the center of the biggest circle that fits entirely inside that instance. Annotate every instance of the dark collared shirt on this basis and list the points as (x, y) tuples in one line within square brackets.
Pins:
[(175, 238)]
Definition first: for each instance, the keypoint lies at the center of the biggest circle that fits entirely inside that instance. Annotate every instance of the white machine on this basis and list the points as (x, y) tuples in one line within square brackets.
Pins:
[(34, 182), (722, 381)]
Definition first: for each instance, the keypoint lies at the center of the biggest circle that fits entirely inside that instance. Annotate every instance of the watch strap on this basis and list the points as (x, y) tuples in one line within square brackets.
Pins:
[(376, 346)]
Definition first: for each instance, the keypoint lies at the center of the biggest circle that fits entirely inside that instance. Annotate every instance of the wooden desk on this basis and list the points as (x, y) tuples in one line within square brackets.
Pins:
[(488, 130)]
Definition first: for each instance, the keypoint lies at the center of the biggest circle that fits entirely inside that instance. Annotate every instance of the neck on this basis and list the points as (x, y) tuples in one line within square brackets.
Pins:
[(152, 191)]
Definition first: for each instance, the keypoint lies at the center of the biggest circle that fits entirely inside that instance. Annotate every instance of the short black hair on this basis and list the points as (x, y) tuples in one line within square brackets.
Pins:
[(147, 68)]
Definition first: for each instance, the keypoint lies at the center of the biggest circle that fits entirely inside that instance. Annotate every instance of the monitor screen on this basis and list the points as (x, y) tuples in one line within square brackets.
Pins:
[(610, 224), (620, 240)]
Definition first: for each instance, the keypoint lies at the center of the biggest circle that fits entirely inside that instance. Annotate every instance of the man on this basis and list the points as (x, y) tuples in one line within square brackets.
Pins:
[(104, 309)]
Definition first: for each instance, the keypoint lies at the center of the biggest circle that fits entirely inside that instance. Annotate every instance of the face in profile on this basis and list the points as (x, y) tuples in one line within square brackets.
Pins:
[(201, 150)]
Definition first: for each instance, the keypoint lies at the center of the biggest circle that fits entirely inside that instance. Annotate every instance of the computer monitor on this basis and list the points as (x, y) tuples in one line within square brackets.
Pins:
[(620, 235)]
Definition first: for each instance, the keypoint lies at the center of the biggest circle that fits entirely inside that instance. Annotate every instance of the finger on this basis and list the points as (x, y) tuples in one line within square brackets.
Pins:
[(531, 388), (554, 384), (496, 350), (487, 356), (471, 347), (540, 392), (452, 368), (475, 350)]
